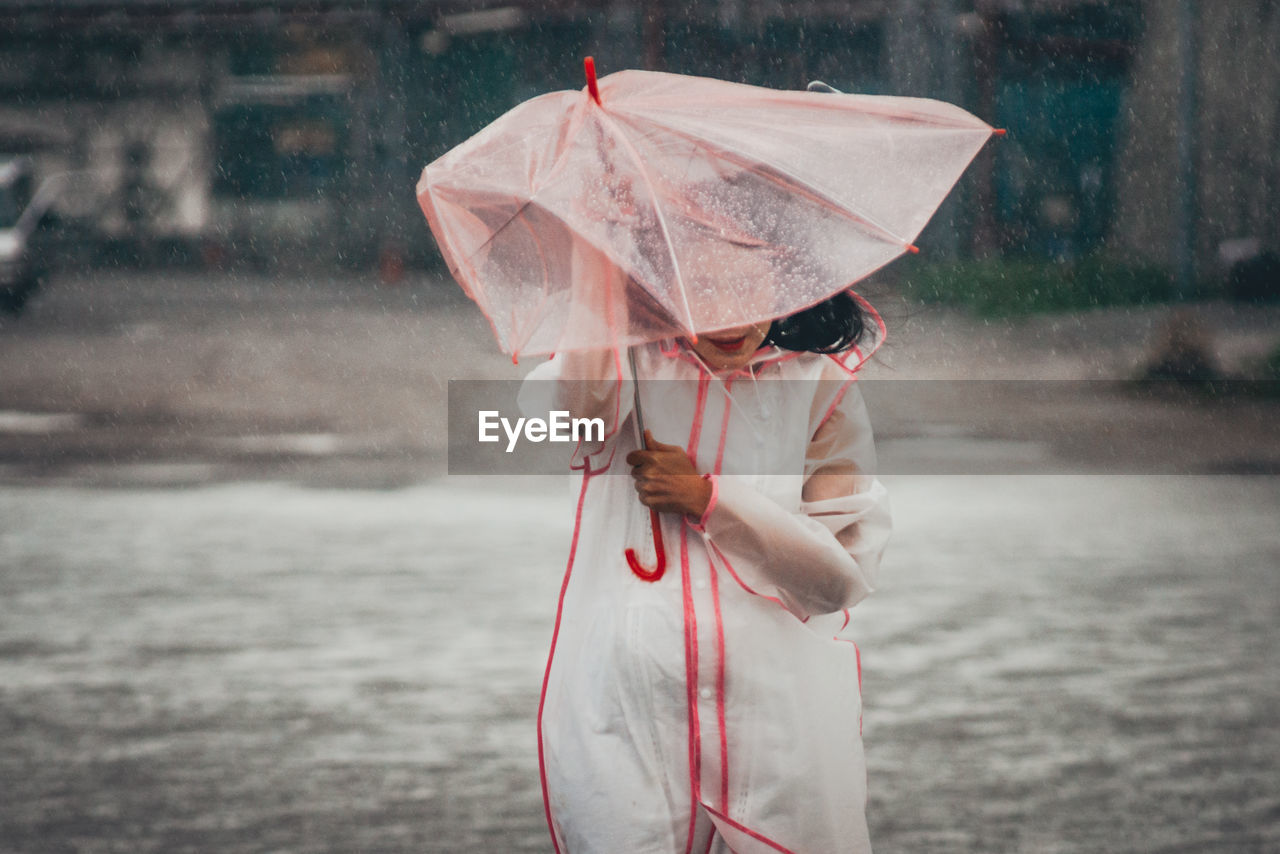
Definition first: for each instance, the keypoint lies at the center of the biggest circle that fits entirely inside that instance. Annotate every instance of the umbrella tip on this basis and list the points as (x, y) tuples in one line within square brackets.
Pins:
[(913, 249), (589, 67), (999, 131), (515, 358)]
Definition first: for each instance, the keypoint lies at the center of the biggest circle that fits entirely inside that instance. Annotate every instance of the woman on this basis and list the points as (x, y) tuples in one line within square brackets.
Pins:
[(715, 708)]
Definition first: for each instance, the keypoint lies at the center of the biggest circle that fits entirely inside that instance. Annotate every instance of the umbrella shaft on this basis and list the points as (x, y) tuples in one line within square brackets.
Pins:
[(635, 386)]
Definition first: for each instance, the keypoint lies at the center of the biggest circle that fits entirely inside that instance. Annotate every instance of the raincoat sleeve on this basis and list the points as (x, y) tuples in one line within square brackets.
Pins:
[(825, 556), (586, 384)]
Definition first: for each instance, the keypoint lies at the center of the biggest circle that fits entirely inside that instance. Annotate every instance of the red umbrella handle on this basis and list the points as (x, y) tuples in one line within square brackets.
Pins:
[(634, 562)]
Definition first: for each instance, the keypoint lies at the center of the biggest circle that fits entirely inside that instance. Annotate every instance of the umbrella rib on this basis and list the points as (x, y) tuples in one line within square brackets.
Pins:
[(607, 251), (498, 230), (480, 297), (559, 163), (867, 104), (519, 214), (662, 220), (541, 308), (477, 296), (789, 181)]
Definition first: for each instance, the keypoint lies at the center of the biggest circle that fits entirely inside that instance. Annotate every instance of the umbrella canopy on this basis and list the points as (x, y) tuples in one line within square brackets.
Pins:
[(661, 205)]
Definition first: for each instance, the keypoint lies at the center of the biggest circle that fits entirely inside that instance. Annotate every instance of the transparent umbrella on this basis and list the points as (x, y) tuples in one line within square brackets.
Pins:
[(653, 205), (810, 191)]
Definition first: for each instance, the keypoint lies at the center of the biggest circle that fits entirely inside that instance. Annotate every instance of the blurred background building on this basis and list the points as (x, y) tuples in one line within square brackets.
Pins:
[(219, 131)]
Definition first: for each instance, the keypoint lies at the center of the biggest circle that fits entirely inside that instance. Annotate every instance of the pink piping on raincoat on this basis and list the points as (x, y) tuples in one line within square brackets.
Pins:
[(718, 806)]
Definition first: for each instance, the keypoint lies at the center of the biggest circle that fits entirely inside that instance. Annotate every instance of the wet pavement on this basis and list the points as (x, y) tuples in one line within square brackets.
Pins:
[(1052, 664), (245, 611), (264, 667)]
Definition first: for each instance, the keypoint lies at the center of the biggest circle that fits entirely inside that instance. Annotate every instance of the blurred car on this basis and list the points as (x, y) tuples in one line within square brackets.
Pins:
[(25, 220)]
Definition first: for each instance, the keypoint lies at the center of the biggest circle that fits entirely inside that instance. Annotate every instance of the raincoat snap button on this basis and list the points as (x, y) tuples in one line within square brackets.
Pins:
[(705, 693), (701, 584)]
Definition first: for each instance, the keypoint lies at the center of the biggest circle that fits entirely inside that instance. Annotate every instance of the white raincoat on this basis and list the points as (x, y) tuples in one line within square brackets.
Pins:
[(716, 709)]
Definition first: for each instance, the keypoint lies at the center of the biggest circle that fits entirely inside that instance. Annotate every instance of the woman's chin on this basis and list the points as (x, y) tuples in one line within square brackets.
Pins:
[(726, 362)]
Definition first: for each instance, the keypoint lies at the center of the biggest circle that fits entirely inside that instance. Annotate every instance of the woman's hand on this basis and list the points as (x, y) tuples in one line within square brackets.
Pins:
[(666, 479)]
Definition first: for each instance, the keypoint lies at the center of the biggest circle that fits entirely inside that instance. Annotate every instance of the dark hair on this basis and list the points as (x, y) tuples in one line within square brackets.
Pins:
[(828, 327)]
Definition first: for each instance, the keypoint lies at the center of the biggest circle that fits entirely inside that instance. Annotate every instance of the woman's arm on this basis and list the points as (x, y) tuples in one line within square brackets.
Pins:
[(818, 560), (587, 384)]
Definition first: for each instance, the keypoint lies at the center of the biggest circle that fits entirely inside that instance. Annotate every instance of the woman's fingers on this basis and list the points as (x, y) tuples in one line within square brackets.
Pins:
[(664, 476), (655, 498), (639, 458)]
